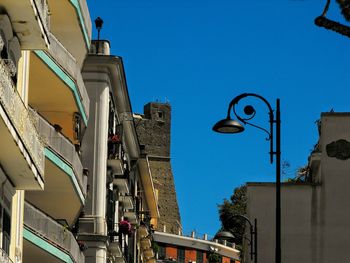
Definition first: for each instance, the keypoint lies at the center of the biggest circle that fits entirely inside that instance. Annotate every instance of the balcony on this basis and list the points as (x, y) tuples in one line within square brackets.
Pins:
[(151, 260), (143, 231), (23, 159), (30, 20), (145, 243), (116, 155), (124, 248), (65, 182), (115, 248), (127, 201), (44, 238), (67, 94), (121, 182), (131, 216), (71, 24), (4, 258), (148, 253), (118, 249), (117, 166), (67, 61)]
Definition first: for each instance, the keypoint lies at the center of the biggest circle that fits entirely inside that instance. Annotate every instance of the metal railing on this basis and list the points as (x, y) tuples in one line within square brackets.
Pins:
[(205, 237), (62, 146), (49, 229), (115, 149), (67, 62), (4, 257), (226, 243), (20, 118)]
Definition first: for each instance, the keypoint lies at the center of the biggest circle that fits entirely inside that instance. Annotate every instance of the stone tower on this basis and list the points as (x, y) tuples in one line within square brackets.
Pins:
[(153, 129)]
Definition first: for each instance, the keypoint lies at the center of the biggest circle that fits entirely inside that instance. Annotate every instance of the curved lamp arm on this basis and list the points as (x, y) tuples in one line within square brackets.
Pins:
[(242, 216), (231, 126), (253, 235), (250, 111)]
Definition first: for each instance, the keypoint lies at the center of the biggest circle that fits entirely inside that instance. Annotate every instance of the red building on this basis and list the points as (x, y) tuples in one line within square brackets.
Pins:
[(184, 249)]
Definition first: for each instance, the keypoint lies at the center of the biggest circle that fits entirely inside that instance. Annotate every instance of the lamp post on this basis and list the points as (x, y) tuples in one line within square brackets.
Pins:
[(229, 125), (98, 24), (253, 236)]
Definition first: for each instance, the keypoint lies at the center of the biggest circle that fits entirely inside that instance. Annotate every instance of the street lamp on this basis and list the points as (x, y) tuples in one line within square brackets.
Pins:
[(228, 125), (98, 24), (225, 235)]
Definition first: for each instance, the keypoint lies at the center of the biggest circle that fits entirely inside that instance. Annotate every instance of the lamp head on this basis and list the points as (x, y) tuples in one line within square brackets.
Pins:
[(224, 235), (228, 126), (98, 23)]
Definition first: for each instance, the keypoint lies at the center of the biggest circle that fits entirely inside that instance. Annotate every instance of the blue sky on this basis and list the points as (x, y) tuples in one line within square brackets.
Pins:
[(198, 55)]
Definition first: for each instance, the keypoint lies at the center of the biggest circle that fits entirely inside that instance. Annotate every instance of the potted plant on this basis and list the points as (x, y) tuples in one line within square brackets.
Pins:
[(124, 227)]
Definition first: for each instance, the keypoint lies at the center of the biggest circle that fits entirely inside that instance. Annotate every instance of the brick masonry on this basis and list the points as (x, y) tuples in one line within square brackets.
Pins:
[(153, 129)]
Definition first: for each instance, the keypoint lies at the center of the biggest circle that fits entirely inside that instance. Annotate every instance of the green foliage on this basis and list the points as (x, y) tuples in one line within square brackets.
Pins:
[(155, 247), (236, 205), (214, 258)]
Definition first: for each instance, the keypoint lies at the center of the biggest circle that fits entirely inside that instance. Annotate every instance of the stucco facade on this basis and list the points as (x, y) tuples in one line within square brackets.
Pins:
[(315, 214), (74, 185)]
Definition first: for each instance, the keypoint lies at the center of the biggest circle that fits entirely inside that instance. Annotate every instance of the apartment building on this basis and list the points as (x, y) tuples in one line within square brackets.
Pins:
[(117, 217), (74, 185), (43, 108)]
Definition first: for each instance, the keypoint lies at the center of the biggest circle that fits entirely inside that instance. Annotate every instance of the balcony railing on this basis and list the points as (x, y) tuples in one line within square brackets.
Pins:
[(20, 118), (124, 246), (4, 257), (62, 146), (67, 62), (50, 230), (115, 147)]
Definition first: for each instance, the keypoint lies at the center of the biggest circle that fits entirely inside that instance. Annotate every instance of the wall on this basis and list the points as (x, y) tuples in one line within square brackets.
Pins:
[(171, 252), (297, 220), (315, 217), (334, 213)]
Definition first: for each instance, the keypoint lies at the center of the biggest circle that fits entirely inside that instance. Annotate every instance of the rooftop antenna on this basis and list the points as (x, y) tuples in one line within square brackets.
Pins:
[(98, 24)]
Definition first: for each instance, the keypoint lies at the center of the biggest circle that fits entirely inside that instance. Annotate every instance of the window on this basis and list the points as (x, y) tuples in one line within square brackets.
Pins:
[(181, 255), (6, 230), (161, 252), (199, 257), (160, 115), (5, 213)]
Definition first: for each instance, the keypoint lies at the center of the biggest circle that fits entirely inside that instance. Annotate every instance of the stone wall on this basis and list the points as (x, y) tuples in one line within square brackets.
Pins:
[(153, 129)]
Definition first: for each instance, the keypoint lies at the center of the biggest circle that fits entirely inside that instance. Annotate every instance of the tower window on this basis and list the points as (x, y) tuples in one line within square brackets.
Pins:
[(160, 115)]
